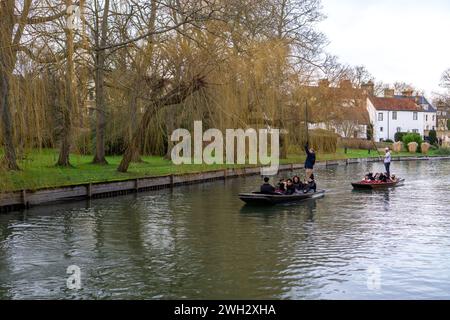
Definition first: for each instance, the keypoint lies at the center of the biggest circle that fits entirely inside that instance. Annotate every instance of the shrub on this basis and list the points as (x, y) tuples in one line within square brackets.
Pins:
[(432, 136), (388, 141), (382, 145), (114, 147), (352, 143), (83, 143), (413, 137), (399, 136), (443, 152), (323, 140)]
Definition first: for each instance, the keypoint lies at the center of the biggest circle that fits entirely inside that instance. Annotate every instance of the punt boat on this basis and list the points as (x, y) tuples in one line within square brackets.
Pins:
[(373, 185), (257, 198)]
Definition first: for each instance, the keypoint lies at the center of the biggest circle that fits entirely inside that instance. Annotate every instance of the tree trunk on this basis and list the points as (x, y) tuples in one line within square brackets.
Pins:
[(69, 101), (7, 62), (99, 157), (135, 143), (10, 159)]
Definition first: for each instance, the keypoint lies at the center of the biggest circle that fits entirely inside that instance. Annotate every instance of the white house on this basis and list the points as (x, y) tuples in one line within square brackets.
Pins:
[(390, 115), (429, 111)]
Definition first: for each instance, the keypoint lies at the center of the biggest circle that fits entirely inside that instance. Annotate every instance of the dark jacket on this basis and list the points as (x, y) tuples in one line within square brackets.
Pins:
[(267, 188), (290, 190), (310, 158), (310, 186), (298, 186)]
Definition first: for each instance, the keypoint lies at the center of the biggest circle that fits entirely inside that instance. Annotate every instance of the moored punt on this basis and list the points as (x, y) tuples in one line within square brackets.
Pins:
[(371, 185), (257, 198)]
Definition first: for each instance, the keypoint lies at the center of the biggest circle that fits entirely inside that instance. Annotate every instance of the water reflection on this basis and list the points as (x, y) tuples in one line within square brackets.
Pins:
[(202, 242)]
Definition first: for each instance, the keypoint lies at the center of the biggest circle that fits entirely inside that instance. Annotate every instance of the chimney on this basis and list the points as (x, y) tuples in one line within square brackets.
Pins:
[(345, 84), (368, 88), (408, 92), (324, 83), (389, 93)]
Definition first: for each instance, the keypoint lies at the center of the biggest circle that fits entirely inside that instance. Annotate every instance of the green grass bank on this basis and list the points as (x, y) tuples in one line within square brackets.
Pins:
[(38, 168)]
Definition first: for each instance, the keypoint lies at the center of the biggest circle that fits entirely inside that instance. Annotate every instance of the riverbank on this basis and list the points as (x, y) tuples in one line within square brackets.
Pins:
[(39, 170), (11, 200)]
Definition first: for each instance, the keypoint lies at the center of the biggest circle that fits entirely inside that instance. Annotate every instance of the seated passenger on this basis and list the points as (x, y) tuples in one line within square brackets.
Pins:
[(311, 185), (281, 187), (290, 189), (298, 185), (267, 188)]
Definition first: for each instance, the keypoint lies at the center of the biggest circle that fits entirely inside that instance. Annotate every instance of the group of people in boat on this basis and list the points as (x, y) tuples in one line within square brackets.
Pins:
[(289, 186), (295, 185), (382, 177), (379, 177)]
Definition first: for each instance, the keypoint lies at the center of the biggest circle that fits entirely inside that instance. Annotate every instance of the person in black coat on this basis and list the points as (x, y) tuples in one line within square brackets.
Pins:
[(298, 185), (290, 189), (310, 161), (310, 185), (267, 188)]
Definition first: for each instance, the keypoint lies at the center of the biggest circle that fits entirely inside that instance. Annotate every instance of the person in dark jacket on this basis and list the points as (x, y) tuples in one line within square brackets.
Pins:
[(267, 188), (310, 185), (290, 189), (310, 161), (298, 185), (281, 187)]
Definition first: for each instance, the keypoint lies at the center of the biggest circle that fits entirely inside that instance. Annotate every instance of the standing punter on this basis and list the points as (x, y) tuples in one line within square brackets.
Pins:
[(310, 161), (387, 162)]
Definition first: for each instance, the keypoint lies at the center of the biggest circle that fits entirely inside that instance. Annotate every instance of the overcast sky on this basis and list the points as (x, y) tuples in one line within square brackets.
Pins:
[(399, 40)]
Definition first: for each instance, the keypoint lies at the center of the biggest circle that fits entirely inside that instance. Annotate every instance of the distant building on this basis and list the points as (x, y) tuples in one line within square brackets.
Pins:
[(391, 114), (429, 114)]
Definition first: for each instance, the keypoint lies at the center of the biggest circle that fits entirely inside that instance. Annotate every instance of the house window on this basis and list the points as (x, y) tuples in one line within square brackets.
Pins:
[(399, 129), (426, 118), (394, 115), (415, 116), (434, 118), (415, 131), (380, 116), (381, 129)]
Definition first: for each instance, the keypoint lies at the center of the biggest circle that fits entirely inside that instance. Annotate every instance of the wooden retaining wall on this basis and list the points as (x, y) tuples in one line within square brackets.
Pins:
[(10, 201)]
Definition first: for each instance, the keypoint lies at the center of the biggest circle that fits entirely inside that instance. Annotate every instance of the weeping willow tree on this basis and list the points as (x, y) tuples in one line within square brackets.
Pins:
[(135, 71)]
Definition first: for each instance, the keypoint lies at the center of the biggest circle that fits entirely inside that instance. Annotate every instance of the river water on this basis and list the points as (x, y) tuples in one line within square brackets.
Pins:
[(201, 242)]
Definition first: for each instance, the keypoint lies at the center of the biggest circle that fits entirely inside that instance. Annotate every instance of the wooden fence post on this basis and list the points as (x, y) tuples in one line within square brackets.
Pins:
[(24, 199)]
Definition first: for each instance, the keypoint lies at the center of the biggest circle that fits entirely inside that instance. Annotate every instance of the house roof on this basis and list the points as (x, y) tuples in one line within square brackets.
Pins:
[(395, 104), (422, 101)]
